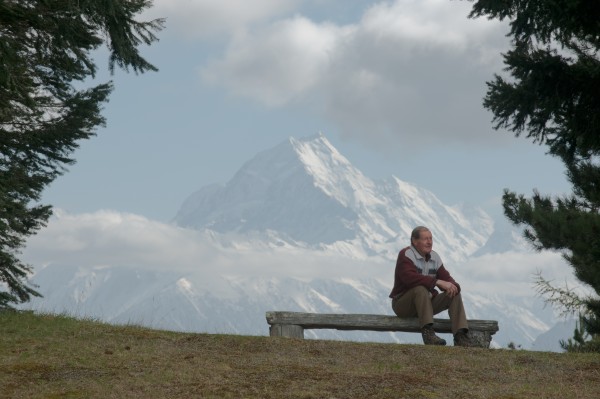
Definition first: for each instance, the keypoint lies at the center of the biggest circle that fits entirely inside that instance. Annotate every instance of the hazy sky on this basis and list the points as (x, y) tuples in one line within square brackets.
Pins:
[(396, 86)]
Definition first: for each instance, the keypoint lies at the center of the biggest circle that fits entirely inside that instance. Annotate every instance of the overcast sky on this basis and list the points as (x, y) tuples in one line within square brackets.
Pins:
[(396, 86)]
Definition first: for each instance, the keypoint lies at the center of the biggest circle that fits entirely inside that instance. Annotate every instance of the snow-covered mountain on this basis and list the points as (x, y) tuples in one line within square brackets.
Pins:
[(297, 228), (311, 195), (504, 238)]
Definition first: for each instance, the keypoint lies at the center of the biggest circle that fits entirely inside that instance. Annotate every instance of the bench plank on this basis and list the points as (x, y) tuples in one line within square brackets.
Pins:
[(292, 324)]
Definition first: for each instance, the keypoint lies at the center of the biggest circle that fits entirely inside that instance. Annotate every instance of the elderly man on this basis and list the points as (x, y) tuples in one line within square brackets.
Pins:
[(419, 270)]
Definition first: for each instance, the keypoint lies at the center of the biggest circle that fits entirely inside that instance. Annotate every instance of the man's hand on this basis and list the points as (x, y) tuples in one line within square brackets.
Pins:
[(450, 289)]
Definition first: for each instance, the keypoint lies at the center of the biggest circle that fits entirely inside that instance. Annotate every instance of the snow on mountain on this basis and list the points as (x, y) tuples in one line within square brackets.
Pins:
[(505, 237), (310, 194), (212, 299), (297, 228)]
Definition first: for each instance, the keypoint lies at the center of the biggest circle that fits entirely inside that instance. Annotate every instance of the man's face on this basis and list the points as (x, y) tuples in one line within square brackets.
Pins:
[(424, 243)]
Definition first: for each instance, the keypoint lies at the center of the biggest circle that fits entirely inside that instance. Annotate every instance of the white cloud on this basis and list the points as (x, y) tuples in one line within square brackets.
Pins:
[(110, 238), (430, 23), (113, 239), (410, 72), (514, 266), (116, 239), (278, 63)]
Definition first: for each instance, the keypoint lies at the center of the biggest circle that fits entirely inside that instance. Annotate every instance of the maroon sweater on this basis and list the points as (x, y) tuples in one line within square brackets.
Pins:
[(413, 269)]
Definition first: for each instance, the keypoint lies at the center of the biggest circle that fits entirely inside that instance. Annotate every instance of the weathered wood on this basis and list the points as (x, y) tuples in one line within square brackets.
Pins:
[(480, 339), (286, 330), (292, 324), (369, 322)]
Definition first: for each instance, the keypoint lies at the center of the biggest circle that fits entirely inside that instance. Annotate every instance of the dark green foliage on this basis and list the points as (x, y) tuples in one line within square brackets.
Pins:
[(552, 96), (583, 340), (45, 48)]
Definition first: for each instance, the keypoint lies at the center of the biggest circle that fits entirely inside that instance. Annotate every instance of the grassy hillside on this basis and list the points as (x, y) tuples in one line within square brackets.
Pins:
[(48, 356)]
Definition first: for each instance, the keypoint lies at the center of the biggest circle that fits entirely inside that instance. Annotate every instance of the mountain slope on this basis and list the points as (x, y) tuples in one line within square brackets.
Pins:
[(310, 194)]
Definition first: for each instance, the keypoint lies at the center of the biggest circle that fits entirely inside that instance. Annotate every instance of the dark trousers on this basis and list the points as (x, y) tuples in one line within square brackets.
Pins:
[(417, 302)]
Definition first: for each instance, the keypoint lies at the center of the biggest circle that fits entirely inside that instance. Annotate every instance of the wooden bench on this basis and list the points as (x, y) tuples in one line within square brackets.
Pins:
[(293, 324)]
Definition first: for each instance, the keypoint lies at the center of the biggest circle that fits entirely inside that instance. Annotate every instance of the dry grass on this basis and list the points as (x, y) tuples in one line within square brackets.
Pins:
[(49, 356)]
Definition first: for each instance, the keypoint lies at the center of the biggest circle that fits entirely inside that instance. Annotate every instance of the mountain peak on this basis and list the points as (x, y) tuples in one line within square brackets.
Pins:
[(308, 193), (318, 154)]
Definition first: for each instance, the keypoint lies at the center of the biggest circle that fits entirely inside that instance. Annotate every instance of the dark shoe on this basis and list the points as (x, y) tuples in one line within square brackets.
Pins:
[(462, 339), (429, 337)]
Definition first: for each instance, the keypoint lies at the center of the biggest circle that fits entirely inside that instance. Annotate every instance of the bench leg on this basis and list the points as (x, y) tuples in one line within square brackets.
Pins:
[(286, 330), (480, 339)]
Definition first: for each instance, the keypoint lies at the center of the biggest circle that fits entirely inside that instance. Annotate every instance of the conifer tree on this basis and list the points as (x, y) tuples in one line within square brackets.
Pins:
[(552, 96), (45, 59)]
